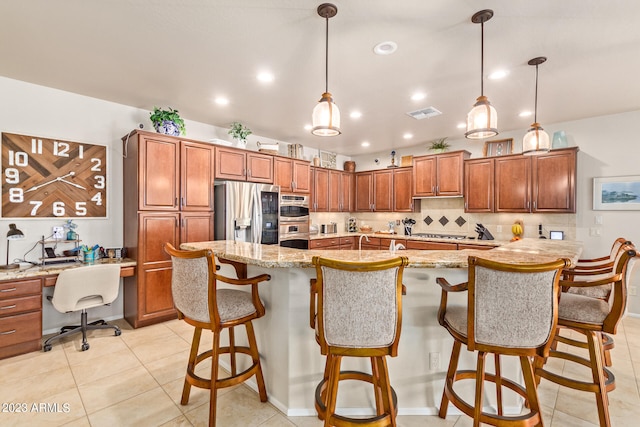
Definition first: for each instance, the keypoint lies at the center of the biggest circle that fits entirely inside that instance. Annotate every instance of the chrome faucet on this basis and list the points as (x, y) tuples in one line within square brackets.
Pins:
[(360, 242)]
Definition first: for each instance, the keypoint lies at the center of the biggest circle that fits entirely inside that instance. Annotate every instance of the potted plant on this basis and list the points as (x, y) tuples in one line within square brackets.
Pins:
[(71, 229), (439, 145), (239, 132), (167, 122)]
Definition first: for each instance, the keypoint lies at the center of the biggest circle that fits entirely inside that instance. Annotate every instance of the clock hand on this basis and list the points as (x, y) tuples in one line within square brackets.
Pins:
[(35, 187), (71, 183)]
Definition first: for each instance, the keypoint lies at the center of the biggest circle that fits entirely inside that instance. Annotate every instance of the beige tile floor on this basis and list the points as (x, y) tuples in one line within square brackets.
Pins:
[(136, 380)]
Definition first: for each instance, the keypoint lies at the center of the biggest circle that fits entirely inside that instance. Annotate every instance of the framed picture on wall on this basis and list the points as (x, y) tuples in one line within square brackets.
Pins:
[(499, 147), (327, 159), (616, 193)]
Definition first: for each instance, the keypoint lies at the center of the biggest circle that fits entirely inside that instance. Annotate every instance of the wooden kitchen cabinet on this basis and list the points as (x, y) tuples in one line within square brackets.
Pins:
[(364, 191), (347, 192), (20, 316), (472, 246), (292, 175), (320, 190), (402, 191), (374, 191), (479, 185), (243, 165), (340, 191), (347, 243), (422, 245), (439, 174), (513, 184)]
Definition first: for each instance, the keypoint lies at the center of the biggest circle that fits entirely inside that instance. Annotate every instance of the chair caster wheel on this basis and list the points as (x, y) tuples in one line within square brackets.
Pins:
[(85, 347), (47, 347), (118, 333)]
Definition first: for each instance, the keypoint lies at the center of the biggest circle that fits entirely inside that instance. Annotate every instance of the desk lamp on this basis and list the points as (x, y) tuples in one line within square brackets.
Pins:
[(12, 234)]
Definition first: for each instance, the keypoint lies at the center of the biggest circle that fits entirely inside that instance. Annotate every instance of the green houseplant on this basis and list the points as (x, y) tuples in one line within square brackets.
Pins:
[(439, 145), (239, 132), (167, 121)]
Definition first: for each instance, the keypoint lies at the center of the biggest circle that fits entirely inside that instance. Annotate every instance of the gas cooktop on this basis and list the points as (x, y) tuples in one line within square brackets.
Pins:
[(439, 236)]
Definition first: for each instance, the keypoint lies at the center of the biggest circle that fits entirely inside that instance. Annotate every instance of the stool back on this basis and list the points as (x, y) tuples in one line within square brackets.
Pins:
[(622, 270)]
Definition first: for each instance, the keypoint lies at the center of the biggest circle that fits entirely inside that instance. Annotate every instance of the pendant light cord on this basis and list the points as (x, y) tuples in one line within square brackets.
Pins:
[(535, 114), (326, 56), (482, 59)]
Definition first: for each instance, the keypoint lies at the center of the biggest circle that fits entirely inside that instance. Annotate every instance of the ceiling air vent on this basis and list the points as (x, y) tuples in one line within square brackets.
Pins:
[(424, 113)]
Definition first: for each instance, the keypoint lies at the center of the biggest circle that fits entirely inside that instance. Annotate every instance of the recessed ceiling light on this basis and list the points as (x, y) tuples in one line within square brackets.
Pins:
[(498, 74), (365, 144), (221, 100), (355, 114), (385, 48), (265, 77), (308, 127), (461, 125), (418, 96), (525, 114), (407, 135)]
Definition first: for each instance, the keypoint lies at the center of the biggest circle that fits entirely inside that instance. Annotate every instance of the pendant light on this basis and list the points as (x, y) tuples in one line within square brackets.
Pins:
[(482, 120), (536, 140), (326, 115)]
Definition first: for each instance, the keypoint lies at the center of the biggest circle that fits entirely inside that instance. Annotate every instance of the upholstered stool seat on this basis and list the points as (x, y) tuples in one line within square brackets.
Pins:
[(201, 303), (356, 311)]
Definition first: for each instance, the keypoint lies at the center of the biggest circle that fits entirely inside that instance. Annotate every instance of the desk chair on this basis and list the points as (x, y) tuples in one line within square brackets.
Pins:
[(358, 313), (200, 303), (512, 309), (82, 288)]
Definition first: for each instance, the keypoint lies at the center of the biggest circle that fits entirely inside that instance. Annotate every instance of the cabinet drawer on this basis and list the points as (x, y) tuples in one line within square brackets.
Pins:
[(323, 243), (346, 241), (20, 288), (20, 304), (412, 244), (20, 328)]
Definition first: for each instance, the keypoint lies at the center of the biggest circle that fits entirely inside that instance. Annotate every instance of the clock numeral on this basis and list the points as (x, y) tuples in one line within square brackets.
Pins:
[(58, 208), (36, 146), (16, 195), (19, 158), (100, 183), (97, 166), (13, 176), (81, 209), (81, 152), (97, 199), (60, 149), (36, 205)]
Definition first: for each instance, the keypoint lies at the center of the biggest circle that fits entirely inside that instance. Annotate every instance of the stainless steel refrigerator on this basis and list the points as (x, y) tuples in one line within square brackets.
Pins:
[(246, 212)]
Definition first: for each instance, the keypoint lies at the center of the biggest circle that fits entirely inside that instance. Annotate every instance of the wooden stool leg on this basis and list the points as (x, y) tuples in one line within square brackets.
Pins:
[(191, 365), (479, 388), (594, 340), (253, 345), (385, 388), (377, 390), (496, 358), (213, 392), (232, 351), (332, 387), (530, 386), (451, 373)]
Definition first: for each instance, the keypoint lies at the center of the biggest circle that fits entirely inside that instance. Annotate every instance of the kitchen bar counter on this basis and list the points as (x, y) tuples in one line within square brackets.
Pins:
[(493, 243), (292, 363)]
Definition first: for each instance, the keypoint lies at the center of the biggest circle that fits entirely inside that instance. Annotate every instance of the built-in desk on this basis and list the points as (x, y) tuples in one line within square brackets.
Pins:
[(21, 303)]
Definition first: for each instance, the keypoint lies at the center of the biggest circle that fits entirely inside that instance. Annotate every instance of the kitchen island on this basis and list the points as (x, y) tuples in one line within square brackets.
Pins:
[(292, 363)]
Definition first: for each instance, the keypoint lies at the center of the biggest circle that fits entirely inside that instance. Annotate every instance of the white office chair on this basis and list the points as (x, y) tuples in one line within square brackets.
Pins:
[(78, 289)]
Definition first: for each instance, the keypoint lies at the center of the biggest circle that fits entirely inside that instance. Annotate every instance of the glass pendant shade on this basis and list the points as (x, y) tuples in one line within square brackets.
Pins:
[(326, 117), (535, 141), (482, 120)]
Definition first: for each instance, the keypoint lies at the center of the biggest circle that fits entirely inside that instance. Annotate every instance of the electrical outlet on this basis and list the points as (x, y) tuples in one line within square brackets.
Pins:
[(58, 233), (434, 361), (632, 291), (499, 229), (598, 219)]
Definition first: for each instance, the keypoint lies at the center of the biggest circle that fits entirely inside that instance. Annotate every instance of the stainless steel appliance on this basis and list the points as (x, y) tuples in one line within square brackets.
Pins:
[(246, 212), (330, 228), (294, 221)]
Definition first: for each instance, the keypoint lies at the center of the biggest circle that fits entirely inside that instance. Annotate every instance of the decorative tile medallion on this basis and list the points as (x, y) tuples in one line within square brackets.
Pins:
[(443, 220), (460, 221), (428, 220)]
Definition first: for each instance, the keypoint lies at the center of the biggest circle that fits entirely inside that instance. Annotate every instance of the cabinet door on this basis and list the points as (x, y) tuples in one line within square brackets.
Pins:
[(335, 188), (196, 227), (301, 176), (513, 184), (402, 200), (321, 190), (196, 171), (231, 164), (259, 168), (553, 182), (414, 244), (155, 302), (450, 174), (283, 174), (159, 177), (154, 230), (382, 191), (347, 192), (364, 191), (478, 185), (424, 176)]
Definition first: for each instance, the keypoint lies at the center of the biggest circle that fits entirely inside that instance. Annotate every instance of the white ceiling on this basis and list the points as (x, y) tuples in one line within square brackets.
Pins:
[(182, 54)]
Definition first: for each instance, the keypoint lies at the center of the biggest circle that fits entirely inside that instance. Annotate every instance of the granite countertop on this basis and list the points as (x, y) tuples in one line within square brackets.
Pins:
[(384, 235), (273, 256), (47, 270)]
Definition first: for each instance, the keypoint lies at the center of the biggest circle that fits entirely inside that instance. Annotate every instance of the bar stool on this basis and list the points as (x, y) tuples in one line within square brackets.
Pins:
[(592, 317), (200, 303), (511, 310), (356, 311)]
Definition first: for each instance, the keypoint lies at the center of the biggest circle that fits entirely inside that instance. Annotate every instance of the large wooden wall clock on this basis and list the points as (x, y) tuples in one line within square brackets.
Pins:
[(52, 178)]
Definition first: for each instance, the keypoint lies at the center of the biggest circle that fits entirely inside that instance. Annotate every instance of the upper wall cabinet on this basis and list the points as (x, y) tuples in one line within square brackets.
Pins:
[(293, 176), (439, 174), (243, 165), (479, 185)]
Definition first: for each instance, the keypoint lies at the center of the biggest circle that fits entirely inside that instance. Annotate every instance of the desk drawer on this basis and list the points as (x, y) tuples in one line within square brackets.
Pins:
[(19, 288), (20, 305), (20, 328)]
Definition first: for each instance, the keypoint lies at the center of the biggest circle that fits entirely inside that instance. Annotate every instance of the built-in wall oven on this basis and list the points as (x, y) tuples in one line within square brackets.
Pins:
[(294, 221)]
